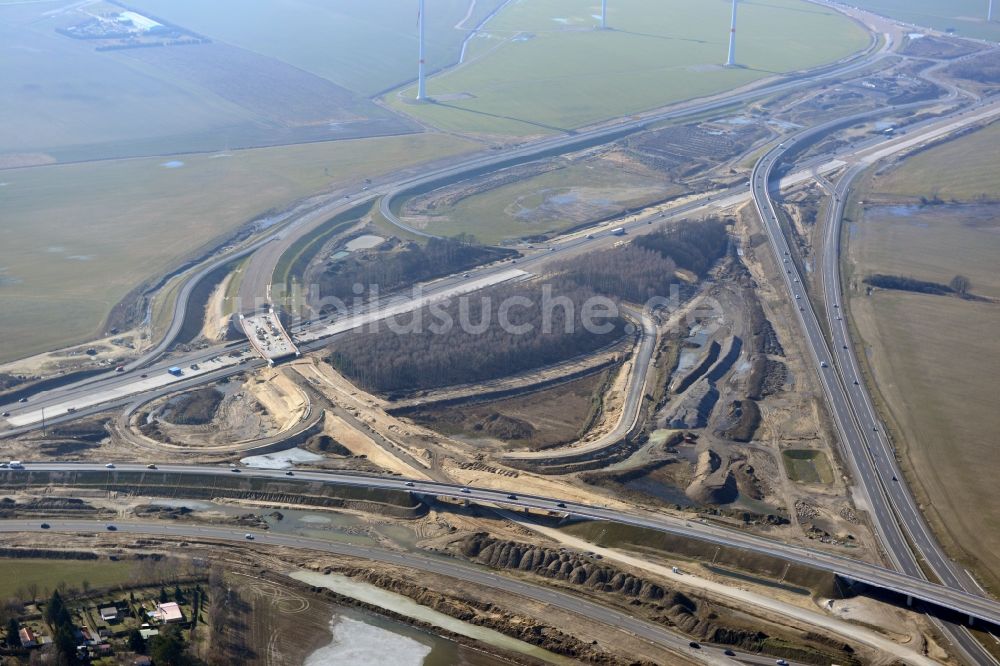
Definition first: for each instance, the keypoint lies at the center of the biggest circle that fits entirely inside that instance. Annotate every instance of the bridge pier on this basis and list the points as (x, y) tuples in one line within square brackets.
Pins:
[(909, 601)]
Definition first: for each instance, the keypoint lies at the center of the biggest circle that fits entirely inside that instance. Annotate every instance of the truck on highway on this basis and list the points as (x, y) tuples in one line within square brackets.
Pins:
[(175, 371), (16, 464), (618, 231)]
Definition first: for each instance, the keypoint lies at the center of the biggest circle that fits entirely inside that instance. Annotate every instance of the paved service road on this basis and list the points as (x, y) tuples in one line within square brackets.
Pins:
[(631, 409)]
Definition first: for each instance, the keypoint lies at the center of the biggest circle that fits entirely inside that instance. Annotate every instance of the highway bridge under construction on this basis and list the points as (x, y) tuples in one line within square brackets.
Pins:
[(343, 439)]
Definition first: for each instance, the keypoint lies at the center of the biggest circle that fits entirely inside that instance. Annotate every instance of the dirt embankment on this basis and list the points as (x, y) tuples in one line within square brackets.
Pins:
[(479, 613), (538, 420), (722, 479), (747, 416), (647, 598), (197, 407), (280, 396), (68, 507)]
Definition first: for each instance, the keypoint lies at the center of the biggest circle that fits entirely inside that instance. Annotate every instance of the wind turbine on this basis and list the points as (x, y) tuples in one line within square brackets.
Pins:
[(989, 12), (731, 62), (604, 14), (421, 77)]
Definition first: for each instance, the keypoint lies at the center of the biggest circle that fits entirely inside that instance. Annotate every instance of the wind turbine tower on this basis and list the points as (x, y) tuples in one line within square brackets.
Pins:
[(989, 12), (421, 78), (604, 14), (731, 62)]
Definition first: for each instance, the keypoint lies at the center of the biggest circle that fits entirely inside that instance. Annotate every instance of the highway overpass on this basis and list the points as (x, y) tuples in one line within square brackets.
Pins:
[(956, 600)]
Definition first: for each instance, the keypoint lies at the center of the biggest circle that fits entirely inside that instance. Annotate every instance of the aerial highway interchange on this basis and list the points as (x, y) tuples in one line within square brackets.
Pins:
[(908, 543)]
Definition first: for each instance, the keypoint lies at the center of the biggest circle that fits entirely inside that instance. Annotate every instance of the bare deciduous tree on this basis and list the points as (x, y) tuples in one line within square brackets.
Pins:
[(960, 285)]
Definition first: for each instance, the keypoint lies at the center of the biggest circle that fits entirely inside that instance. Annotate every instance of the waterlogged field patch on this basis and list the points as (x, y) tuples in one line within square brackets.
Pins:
[(807, 466), (563, 196)]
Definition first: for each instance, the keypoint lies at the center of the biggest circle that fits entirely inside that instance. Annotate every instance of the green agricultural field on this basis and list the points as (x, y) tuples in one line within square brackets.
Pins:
[(364, 45), (21, 574), (966, 17), (939, 241), (77, 238), (935, 359), (963, 169), (541, 67), (61, 92), (72, 99)]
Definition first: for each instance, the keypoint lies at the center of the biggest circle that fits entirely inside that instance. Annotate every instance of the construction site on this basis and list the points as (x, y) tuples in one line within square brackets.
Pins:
[(405, 443)]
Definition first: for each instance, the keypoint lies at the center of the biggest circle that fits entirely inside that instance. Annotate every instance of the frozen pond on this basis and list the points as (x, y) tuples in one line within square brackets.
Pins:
[(356, 642), (376, 596)]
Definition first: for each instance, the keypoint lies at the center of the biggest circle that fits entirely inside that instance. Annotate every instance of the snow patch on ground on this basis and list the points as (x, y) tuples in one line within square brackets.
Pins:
[(280, 459)]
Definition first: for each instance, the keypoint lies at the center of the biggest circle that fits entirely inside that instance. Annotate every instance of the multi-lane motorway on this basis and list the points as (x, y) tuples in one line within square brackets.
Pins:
[(451, 568), (958, 600), (266, 251), (869, 477), (894, 512), (867, 448)]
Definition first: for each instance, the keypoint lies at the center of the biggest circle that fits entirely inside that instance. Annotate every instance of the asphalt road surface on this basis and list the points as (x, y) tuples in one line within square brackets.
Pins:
[(451, 568), (631, 409), (862, 433), (874, 575), (266, 251)]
